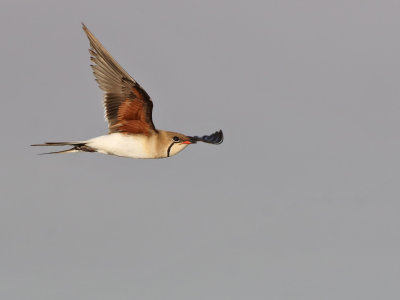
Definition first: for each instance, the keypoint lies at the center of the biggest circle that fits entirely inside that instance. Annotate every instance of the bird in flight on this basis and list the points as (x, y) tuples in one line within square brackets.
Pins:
[(128, 110)]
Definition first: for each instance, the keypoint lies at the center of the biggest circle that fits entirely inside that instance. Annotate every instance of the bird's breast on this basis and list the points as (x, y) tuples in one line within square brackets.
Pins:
[(127, 145)]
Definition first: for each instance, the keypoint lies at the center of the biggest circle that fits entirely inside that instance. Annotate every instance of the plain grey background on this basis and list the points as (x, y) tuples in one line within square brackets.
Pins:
[(301, 201)]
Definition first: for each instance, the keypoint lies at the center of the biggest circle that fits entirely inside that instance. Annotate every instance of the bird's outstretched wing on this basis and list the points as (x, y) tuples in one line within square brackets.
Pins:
[(128, 108)]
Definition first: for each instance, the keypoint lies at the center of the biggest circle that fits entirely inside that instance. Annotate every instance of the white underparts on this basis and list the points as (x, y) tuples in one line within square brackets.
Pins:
[(131, 145)]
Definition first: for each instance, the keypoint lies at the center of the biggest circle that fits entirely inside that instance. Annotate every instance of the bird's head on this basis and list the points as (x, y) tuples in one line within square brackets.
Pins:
[(175, 142)]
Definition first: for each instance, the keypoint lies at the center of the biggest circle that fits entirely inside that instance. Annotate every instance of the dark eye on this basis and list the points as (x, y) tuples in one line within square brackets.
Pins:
[(176, 139)]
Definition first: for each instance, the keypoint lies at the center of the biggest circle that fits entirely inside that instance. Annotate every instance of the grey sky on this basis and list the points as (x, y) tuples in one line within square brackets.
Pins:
[(301, 201)]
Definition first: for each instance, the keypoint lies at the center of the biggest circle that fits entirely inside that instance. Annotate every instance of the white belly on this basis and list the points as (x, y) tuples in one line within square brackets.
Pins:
[(135, 146)]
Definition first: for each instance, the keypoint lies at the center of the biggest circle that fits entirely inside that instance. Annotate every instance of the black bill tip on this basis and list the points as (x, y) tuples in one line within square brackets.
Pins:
[(216, 138)]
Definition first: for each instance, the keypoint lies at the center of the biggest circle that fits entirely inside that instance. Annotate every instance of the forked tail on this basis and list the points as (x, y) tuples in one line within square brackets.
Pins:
[(77, 147)]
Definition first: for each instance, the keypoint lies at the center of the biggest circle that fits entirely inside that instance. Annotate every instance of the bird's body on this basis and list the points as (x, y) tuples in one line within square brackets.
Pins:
[(128, 110), (135, 145), (127, 145)]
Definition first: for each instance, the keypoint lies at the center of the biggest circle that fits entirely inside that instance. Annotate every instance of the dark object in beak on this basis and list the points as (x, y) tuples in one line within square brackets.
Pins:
[(215, 138)]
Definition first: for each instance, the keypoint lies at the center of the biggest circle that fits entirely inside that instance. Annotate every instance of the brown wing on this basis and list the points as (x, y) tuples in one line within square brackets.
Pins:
[(128, 108)]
